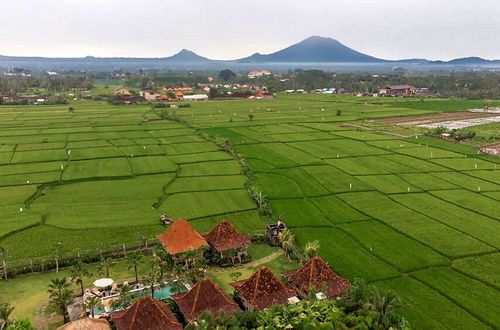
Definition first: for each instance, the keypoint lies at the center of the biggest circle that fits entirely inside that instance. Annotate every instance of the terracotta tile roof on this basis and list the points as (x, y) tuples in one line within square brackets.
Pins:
[(181, 237), (263, 289), (86, 324), (146, 313), (224, 237), (315, 272), (205, 295)]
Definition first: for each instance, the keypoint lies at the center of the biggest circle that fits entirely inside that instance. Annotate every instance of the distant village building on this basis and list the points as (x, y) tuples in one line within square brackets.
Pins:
[(257, 74), (122, 91), (146, 313), (263, 290), (397, 90), (204, 296), (195, 97), (316, 273), (261, 96)]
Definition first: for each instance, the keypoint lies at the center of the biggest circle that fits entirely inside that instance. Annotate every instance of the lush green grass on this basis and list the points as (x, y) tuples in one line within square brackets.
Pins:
[(477, 298), (410, 254), (485, 268), (427, 309)]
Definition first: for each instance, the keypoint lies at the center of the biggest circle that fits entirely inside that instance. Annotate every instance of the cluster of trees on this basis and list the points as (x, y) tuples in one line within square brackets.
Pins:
[(43, 86), (364, 307), (454, 133)]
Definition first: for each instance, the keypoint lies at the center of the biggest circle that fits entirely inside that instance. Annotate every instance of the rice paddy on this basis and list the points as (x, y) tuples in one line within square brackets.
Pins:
[(416, 215)]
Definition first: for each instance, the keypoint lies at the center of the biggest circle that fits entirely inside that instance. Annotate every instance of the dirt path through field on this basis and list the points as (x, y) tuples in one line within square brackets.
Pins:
[(254, 263)]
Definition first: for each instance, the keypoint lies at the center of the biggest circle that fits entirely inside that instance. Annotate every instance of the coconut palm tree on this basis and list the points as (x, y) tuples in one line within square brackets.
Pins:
[(57, 285), (59, 302), (134, 259), (91, 303), (152, 278), (311, 249), (125, 298), (287, 241), (3, 256), (105, 266), (57, 254), (78, 272)]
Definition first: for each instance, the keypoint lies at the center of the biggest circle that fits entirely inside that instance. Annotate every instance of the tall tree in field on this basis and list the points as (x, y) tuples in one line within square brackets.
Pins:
[(57, 285), (134, 259), (57, 254), (226, 74), (3, 256), (105, 266), (79, 272)]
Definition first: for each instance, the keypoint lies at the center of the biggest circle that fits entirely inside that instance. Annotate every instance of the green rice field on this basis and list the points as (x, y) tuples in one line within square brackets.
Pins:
[(413, 214)]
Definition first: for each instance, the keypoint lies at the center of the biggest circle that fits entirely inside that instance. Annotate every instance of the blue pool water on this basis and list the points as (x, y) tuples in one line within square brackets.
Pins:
[(160, 293)]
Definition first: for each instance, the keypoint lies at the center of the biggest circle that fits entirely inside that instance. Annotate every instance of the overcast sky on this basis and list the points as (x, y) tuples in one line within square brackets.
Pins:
[(228, 29)]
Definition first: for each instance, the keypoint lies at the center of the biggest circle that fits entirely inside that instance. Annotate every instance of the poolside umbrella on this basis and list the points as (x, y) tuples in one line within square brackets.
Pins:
[(103, 282)]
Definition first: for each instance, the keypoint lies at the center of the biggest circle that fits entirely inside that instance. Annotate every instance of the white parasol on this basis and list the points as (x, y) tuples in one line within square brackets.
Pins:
[(103, 282)]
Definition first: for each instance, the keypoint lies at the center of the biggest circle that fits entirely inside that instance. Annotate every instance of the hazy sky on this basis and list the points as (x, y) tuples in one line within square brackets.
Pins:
[(390, 29)]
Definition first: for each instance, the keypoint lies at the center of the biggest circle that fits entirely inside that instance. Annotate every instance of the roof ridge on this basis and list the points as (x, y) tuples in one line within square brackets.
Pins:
[(221, 292), (164, 313), (196, 295)]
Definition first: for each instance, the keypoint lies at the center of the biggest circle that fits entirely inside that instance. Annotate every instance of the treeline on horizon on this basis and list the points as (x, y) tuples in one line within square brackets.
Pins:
[(471, 85)]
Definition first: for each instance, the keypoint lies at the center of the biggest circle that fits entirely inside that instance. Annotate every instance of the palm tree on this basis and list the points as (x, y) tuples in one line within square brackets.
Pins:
[(5, 311), (311, 249), (105, 266), (78, 272), (125, 299), (152, 278), (57, 254), (134, 259), (57, 285), (91, 303), (287, 241), (59, 301), (385, 304)]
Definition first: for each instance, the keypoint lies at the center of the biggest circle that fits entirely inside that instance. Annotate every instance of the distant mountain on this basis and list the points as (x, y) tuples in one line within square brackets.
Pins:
[(467, 61), (314, 50), (187, 56)]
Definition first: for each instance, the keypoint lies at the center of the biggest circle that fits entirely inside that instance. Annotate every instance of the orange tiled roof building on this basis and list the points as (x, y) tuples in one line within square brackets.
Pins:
[(181, 237)]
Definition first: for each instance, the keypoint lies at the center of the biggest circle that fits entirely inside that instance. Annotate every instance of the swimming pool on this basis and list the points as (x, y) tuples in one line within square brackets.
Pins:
[(160, 293)]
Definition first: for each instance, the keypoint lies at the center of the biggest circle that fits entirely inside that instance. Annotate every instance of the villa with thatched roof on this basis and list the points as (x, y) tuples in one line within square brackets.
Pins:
[(181, 237), (316, 273), (205, 295), (224, 238), (263, 290), (146, 313)]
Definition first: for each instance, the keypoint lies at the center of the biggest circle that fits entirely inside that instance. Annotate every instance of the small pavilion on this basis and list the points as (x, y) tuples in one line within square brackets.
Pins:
[(263, 290), (205, 295), (146, 313), (316, 273), (224, 238)]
